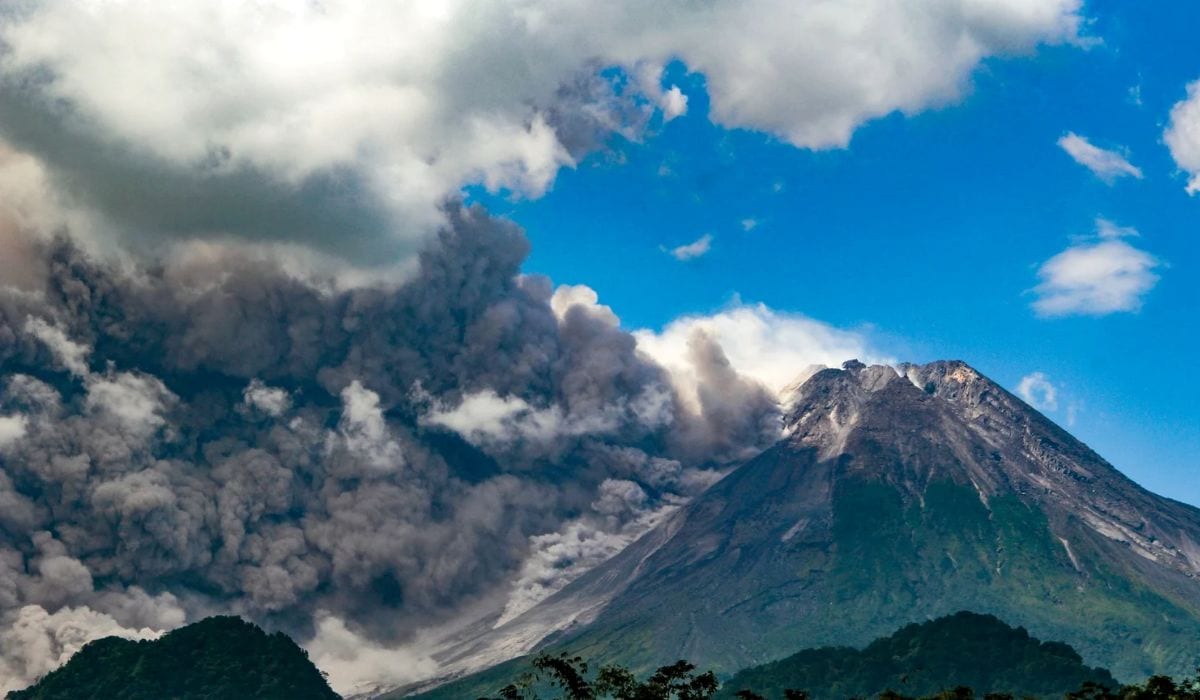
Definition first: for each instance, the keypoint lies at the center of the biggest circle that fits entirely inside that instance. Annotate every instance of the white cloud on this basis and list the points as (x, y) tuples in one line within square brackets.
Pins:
[(1096, 277), (769, 346), (12, 429), (569, 296), (1182, 136), (1106, 165), (1038, 391), (693, 250), (674, 103), (812, 73), (749, 224), (1109, 230), (367, 116)]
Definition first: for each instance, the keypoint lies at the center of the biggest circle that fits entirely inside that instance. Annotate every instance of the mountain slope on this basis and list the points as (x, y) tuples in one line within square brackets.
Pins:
[(897, 497), (900, 498), (964, 649), (216, 658)]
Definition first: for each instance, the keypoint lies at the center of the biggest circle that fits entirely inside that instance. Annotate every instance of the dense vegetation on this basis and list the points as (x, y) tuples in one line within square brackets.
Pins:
[(940, 658), (568, 679), (220, 658), (964, 649), (569, 674)]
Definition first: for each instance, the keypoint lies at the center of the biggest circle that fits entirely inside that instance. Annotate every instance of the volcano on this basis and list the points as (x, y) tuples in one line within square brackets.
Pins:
[(898, 495)]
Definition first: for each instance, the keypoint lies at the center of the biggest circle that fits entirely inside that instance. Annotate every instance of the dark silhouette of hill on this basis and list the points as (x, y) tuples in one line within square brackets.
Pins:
[(964, 649), (219, 658)]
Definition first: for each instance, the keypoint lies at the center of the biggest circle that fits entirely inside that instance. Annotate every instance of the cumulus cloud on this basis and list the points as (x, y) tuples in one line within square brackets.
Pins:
[(674, 103), (696, 249), (1105, 164), (1182, 136), (1039, 392), (1096, 277), (327, 124), (768, 346)]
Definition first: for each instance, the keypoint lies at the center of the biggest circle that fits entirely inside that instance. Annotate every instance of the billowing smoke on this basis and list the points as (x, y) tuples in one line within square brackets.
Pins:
[(211, 433), (322, 395)]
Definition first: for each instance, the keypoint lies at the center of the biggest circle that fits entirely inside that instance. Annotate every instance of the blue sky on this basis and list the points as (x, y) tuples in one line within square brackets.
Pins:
[(926, 233), (951, 223)]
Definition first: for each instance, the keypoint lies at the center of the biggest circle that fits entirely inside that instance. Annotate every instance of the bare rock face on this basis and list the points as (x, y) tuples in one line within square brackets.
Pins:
[(967, 427), (899, 495)]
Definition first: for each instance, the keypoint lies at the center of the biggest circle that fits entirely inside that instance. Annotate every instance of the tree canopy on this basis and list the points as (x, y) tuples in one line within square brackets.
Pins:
[(215, 659)]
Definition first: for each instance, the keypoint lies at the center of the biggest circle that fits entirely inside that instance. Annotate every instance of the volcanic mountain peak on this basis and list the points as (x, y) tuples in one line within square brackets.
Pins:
[(915, 424), (838, 391), (896, 494)]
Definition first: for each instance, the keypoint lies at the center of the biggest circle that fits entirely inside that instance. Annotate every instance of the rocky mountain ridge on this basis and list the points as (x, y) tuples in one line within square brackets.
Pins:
[(1064, 474)]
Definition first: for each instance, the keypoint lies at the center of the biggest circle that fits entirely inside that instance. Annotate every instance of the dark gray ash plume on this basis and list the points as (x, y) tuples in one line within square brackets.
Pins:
[(209, 433)]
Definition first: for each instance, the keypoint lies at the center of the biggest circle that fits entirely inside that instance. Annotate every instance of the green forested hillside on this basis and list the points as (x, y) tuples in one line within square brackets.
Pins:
[(220, 658), (964, 649)]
